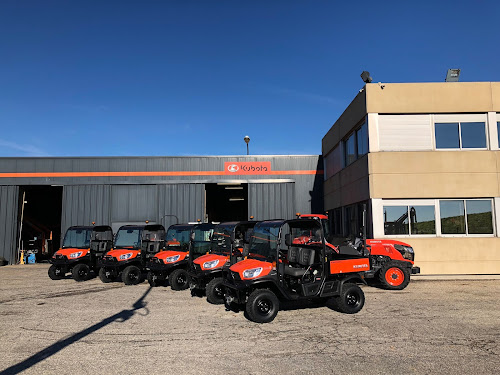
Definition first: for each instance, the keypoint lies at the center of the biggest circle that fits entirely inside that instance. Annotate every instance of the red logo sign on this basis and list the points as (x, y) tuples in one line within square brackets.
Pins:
[(259, 167)]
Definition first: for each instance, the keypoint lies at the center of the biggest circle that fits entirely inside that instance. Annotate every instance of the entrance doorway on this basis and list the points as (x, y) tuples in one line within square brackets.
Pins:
[(226, 202), (41, 219)]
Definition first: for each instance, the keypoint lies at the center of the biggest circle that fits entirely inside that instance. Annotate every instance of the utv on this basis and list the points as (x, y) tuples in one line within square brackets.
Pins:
[(282, 266), (134, 246), (206, 271), (81, 251), (185, 242), (391, 261)]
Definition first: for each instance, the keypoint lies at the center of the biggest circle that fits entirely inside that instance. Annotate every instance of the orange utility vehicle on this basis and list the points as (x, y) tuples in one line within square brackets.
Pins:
[(134, 246), (206, 271), (82, 248), (392, 262), (184, 243), (283, 266)]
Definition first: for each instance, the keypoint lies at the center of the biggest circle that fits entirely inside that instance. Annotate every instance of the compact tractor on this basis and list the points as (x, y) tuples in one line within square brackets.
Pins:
[(184, 243), (288, 260), (391, 262), (134, 246), (82, 248), (206, 271)]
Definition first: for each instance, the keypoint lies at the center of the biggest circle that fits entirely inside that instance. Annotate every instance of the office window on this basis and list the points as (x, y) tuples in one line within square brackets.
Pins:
[(333, 162), (350, 150), (471, 216), (362, 139), (460, 135), (498, 132), (414, 220)]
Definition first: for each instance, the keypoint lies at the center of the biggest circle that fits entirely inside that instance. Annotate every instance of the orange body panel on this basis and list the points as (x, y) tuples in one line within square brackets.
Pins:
[(386, 248), (247, 264), (163, 255), (115, 253), (209, 257), (349, 265), (70, 250)]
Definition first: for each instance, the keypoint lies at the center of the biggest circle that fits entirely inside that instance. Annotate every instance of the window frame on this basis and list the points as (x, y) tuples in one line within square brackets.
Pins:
[(459, 119)]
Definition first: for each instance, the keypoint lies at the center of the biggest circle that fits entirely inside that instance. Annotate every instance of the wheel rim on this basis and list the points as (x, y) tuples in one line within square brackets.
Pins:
[(352, 299), (82, 272), (218, 291), (58, 271), (181, 279), (133, 275), (394, 276), (264, 306)]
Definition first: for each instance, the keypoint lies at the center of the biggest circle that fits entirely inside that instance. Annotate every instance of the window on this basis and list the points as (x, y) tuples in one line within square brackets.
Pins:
[(498, 132), (460, 135), (470, 216), (333, 162), (362, 138), (350, 150), (356, 145), (412, 220)]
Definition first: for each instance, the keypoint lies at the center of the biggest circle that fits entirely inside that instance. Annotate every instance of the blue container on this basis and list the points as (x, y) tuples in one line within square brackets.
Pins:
[(31, 259)]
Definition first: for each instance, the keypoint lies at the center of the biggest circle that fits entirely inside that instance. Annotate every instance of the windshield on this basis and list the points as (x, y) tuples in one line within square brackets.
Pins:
[(78, 238), (264, 240), (221, 239), (201, 244), (128, 238), (178, 238)]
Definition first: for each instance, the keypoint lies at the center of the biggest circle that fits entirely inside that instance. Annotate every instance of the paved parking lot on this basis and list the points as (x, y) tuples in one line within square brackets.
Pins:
[(64, 327)]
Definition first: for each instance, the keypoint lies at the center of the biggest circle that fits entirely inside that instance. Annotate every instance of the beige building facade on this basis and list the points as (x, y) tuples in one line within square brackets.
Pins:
[(425, 159)]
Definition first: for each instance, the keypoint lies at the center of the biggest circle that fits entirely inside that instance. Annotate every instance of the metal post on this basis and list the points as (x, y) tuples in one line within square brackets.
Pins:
[(21, 227)]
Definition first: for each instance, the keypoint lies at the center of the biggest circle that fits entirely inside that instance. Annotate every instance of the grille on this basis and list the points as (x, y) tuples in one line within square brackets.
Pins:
[(61, 257)]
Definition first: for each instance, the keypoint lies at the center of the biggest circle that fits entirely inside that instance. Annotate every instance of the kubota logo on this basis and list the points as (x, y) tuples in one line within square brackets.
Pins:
[(233, 168)]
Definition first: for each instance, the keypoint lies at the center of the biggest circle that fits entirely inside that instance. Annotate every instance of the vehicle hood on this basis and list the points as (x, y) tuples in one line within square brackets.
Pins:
[(210, 257), (248, 264), (70, 250), (163, 255), (115, 253)]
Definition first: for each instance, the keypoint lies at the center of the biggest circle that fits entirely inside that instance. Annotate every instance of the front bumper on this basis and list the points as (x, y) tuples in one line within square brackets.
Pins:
[(64, 261), (415, 270), (200, 278), (160, 266)]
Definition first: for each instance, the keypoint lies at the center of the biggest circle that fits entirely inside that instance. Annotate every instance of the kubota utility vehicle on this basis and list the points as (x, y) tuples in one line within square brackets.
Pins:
[(134, 246), (283, 266), (184, 242), (82, 248), (391, 261), (206, 271)]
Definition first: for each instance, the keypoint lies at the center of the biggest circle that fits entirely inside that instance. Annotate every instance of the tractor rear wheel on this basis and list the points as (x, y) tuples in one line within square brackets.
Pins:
[(215, 291), (131, 275), (55, 272), (104, 277), (394, 277), (80, 272), (351, 299), (179, 279), (262, 306)]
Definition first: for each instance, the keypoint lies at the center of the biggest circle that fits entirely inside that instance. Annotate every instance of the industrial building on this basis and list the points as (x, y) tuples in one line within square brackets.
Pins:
[(425, 159), (41, 197)]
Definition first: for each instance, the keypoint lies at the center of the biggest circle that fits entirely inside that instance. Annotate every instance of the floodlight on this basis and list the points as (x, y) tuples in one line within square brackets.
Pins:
[(452, 75), (365, 76)]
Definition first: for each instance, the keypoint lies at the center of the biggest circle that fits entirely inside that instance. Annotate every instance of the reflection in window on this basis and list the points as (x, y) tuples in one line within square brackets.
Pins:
[(479, 217), (452, 217), (460, 135), (362, 139), (498, 132), (396, 220), (422, 220), (350, 149)]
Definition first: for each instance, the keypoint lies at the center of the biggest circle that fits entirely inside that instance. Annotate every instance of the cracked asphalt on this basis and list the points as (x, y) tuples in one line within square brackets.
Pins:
[(66, 327)]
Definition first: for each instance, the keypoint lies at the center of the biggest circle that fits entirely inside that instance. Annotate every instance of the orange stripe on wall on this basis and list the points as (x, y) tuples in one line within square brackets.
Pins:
[(139, 174)]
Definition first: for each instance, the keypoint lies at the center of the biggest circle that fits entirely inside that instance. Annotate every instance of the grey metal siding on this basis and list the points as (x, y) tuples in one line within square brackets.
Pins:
[(185, 201), (271, 201), (84, 204), (134, 203), (9, 200)]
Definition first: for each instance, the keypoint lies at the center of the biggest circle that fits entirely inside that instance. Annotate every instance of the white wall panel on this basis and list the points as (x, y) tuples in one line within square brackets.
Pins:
[(405, 132)]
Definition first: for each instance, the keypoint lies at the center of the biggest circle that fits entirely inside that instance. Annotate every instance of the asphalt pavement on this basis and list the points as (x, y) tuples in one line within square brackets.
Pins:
[(66, 327)]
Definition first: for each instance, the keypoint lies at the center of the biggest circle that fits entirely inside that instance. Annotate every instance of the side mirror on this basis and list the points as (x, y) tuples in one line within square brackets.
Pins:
[(288, 240)]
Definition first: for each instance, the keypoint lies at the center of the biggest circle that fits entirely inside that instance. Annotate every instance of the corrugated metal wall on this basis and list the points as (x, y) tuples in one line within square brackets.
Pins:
[(186, 201), (83, 204), (271, 201), (134, 203), (9, 200)]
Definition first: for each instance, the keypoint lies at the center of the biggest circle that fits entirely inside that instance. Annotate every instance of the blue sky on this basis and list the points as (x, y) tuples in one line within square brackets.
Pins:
[(99, 78)]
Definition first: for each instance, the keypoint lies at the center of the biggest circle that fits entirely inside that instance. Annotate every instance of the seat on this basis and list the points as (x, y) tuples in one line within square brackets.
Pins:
[(302, 257)]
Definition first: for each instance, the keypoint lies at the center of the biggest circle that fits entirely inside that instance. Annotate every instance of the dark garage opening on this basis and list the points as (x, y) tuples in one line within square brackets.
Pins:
[(226, 202), (41, 224)]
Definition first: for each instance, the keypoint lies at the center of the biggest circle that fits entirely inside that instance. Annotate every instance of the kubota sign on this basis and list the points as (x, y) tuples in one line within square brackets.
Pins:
[(254, 167)]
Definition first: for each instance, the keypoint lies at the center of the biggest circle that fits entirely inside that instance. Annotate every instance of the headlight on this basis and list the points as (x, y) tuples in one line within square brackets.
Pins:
[(126, 256), (172, 259), (76, 255), (406, 251), (252, 272), (211, 264)]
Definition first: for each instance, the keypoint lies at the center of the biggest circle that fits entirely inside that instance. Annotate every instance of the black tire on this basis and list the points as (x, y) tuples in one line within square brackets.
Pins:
[(179, 279), (394, 277), (153, 280), (351, 299), (105, 278), (56, 272), (262, 306), (132, 275), (215, 291), (80, 272)]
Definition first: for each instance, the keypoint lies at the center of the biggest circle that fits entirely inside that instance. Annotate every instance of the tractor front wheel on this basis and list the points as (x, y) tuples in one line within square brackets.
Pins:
[(80, 272), (215, 291), (179, 279), (55, 272), (394, 277), (131, 275), (262, 306)]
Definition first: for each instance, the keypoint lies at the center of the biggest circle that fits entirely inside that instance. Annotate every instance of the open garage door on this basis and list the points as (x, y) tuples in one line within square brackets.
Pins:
[(271, 201), (9, 199)]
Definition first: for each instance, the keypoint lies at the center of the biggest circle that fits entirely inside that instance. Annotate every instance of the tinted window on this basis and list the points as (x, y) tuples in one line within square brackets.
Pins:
[(396, 220), (447, 135), (350, 149), (452, 217), (473, 135), (362, 138), (422, 220), (479, 217), (498, 132)]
